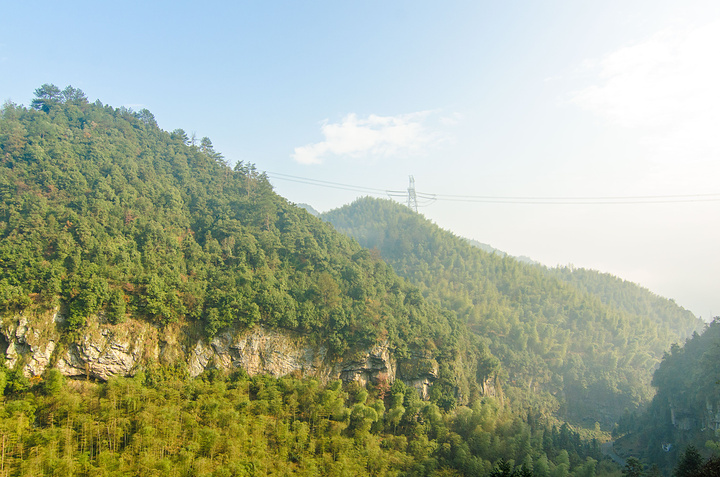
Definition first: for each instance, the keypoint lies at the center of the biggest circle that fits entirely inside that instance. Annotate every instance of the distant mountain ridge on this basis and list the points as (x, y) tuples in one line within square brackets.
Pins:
[(491, 249), (310, 209), (622, 294), (630, 297), (563, 347)]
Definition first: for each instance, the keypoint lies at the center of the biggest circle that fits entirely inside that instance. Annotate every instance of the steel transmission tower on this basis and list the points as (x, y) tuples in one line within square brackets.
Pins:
[(412, 199)]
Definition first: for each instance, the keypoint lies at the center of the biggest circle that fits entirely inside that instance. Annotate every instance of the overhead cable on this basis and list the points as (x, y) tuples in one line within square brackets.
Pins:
[(430, 198)]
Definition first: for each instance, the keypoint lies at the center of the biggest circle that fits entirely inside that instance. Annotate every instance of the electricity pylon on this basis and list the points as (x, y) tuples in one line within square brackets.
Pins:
[(412, 199)]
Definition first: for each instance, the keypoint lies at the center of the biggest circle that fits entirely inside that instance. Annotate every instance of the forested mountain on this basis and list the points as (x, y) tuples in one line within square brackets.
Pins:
[(105, 219), (686, 409), (102, 211), (619, 293), (565, 349), (614, 291)]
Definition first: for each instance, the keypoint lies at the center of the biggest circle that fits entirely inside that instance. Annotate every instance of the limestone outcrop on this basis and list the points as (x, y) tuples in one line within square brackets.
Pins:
[(34, 342), (258, 351)]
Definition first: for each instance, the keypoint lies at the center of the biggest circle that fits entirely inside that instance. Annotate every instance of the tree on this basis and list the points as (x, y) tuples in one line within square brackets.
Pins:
[(53, 382), (633, 467), (46, 96), (146, 117), (206, 146), (711, 468), (180, 134), (74, 96), (654, 471), (502, 469), (689, 464)]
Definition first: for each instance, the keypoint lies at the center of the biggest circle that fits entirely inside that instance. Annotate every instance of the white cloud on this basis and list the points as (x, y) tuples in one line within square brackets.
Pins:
[(666, 87), (451, 120), (374, 136)]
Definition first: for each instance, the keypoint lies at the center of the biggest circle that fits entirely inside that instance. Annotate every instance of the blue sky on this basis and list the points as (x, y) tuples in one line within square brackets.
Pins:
[(506, 99)]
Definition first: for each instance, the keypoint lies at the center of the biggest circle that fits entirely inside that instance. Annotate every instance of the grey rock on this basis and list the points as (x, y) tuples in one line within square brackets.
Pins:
[(104, 350)]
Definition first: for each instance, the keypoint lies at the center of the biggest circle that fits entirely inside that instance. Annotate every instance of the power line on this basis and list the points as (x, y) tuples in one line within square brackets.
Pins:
[(589, 201), (632, 197), (332, 185), (412, 195)]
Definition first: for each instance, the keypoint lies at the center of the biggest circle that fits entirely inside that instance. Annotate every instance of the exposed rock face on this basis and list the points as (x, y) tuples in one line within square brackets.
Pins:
[(34, 342), (35, 346), (372, 366), (419, 372), (258, 351), (103, 350), (685, 418), (106, 351), (712, 415), (489, 386)]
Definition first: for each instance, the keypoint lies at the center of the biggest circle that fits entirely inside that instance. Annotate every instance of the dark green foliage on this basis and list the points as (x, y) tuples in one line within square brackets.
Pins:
[(683, 413), (573, 347), (689, 464), (117, 307), (102, 213), (633, 468), (53, 382), (711, 468), (12, 297), (106, 214), (85, 295), (46, 97)]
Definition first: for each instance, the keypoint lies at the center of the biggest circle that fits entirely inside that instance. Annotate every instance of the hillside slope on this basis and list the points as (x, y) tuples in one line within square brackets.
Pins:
[(103, 214), (562, 347)]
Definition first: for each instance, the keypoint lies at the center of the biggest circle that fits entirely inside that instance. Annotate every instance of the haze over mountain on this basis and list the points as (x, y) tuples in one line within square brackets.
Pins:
[(574, 341)]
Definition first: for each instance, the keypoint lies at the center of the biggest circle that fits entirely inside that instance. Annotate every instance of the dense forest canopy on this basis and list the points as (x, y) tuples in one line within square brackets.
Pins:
[(570, 341), (101, 211)]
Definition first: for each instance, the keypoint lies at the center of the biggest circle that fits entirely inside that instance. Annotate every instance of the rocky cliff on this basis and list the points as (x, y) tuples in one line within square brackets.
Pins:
[(34, 342)]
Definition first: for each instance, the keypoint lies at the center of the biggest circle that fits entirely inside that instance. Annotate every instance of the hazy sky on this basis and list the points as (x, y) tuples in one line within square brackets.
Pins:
[(530, 99)]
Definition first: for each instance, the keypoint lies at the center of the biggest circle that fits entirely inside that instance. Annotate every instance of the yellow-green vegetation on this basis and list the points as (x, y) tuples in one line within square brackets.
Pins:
[(162, 423)]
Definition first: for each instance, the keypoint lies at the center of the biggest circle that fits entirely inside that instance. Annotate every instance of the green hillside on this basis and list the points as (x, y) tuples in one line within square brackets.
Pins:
[(102, 211), (565, 349)]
